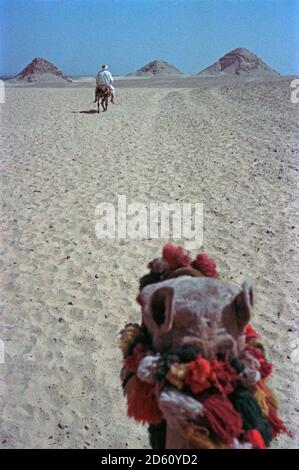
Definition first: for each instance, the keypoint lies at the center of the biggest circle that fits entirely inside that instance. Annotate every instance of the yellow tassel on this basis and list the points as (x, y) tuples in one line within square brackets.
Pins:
[(199, 438), (176, 375), (260, 397), (131, 331), (272, 399), (256, 343)]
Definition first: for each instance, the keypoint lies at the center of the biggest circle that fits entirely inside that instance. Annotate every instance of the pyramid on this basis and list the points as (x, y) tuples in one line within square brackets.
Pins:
[(239, 63), (156, 68), (40, 70)]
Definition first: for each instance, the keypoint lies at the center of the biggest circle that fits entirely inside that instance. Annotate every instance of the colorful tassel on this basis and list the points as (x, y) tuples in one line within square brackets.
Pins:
[(265, 367), (254, 437), (260, 397), (253, 418), (175, 256), (222, 418), (270, 396), (142, 404), (199, 438), (127, 335)]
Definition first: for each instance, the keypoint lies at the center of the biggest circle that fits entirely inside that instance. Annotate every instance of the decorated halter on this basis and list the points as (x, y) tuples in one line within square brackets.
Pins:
[(233, 405)]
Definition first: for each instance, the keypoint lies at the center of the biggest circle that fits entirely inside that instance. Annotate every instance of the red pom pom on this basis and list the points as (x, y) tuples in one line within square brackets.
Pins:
[(175, 256), (265, 369), (254, 437), (225, 376), (265, 366), (199, 375), (205, 265), (250, 333)]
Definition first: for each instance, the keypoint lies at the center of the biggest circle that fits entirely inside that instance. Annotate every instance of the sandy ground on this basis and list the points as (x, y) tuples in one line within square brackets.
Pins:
[(65, 294)]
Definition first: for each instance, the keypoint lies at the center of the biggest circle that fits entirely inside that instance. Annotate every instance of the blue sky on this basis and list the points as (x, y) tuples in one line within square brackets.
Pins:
[(78, 35)]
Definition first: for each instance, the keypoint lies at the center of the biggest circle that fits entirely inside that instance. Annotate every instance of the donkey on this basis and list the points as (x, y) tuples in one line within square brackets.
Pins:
[(102, 95)]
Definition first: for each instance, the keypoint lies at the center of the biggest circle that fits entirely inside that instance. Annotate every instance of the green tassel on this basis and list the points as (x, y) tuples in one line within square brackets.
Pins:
[(237, 365), (252, 415)]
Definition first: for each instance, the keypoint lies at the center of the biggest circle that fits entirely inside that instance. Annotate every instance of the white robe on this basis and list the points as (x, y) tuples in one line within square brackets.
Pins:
[(104, 77)]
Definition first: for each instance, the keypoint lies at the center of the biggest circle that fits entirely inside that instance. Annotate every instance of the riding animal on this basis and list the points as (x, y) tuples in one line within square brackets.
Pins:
[(102, 95)]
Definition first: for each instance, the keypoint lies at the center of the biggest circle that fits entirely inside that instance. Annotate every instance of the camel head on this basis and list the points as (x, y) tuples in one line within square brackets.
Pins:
[(204, 312)]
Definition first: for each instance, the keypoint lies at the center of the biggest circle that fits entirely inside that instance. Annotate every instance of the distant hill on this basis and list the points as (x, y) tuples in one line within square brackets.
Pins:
[(239, 63), (156, 68), (40, 70)]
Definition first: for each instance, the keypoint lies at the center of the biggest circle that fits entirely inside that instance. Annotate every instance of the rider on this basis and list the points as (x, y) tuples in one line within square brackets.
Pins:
[(104, 77)]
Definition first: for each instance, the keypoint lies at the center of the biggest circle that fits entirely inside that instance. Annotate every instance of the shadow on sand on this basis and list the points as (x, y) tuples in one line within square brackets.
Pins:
[(91, 111)]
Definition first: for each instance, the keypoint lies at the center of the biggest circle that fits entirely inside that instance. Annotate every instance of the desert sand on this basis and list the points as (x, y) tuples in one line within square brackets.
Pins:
[(65, 294)]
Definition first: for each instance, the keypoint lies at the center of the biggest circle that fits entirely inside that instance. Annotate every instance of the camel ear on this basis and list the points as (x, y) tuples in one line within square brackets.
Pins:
[(161, 308), (242, 305), (237, 315)]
